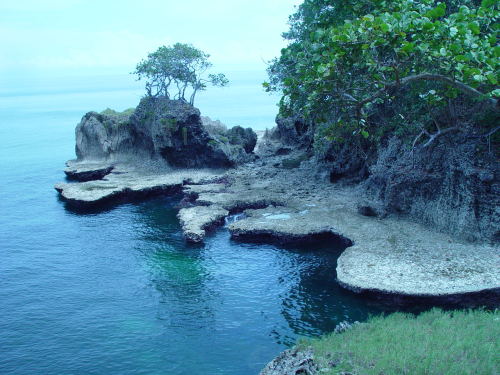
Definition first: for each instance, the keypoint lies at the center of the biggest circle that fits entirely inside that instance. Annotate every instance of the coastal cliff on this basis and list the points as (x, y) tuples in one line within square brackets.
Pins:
[(453, 185)]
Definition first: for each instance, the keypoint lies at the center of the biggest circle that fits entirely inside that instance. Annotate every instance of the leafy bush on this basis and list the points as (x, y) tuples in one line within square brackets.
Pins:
[(354, 67)]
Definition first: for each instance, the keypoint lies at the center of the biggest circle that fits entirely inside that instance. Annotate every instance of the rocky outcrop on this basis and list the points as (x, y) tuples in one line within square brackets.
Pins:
[(161, 130), (452, 186), (127, 182), (385, 255), (87, 171), (292, 131), (285, 226), (292, 362), (197, 220), (245, 137)]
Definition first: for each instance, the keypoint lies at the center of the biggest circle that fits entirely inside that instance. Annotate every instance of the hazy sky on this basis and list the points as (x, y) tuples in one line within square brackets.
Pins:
[(80, 35)]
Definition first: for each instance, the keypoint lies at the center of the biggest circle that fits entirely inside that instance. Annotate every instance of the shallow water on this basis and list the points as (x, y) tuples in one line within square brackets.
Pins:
[(118, 291)]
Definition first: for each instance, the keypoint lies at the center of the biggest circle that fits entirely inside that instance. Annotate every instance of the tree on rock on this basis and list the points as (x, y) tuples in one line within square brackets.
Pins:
[(178, 71)]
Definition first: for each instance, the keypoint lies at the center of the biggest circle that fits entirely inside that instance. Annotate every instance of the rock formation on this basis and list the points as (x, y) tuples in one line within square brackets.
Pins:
[(453, 185), (286, 197), (161, 130)]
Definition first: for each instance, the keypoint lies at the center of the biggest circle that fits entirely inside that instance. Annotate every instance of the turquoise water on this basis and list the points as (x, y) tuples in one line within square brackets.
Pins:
[(118, 291)]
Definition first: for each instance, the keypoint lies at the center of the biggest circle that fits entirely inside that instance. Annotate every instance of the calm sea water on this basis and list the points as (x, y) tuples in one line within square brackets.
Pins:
[(118, 291)]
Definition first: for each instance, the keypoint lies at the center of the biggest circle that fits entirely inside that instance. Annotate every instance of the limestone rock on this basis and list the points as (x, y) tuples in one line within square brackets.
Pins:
[(292, 362), (159, 129), (195, 221)]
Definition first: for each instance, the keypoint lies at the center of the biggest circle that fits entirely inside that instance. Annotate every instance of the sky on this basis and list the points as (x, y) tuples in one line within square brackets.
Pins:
[(78, 36)]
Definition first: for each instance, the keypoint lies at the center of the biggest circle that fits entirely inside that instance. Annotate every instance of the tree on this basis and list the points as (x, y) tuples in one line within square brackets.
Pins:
[(173, 71), (347, 58)]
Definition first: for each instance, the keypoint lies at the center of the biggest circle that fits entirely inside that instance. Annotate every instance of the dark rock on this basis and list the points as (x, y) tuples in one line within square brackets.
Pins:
[(159, 129), (293, 131), (371, 209), (283, 151), (453, 186), (294, 362), (245, 137), (442, 187), (367, 211), (93, 174)]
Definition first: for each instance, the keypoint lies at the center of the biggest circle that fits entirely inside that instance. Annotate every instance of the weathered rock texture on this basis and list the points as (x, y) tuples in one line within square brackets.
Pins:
[(286, 197), (452, 185), (292, 131), (389, 255), (160, 129), (292, 362), (127, 182)]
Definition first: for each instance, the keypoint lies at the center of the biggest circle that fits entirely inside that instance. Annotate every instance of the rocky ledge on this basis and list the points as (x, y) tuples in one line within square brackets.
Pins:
[(283, 197), (383, 256), (128, 181)]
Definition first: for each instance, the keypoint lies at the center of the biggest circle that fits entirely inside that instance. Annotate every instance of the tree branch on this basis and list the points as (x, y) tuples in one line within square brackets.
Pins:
[(429, 77)]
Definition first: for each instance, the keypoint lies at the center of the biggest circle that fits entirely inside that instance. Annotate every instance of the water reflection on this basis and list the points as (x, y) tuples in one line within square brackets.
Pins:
[(316, 304)]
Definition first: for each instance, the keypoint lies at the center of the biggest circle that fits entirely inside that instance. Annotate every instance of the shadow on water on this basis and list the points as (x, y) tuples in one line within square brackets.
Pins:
[(177, 270)]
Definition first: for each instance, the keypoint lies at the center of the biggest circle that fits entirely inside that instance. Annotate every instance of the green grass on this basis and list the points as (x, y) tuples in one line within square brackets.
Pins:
[(120, 118), (434, 343)]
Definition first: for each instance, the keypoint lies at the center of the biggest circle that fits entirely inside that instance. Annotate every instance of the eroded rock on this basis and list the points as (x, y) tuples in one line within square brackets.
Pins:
[(292, 362), (87, 171), (130, 182), (197, 220), (159, 129)]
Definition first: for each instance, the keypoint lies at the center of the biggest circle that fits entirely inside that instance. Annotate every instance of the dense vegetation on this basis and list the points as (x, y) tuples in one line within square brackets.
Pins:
[(418, 69), (435, 342), (173, 71)]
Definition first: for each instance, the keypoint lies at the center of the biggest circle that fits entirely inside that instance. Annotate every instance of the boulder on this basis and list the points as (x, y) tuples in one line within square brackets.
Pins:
[(245, 137)]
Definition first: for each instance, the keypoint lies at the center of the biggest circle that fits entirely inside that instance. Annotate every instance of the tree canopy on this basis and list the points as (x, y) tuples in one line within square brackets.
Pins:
[(347, 58), (177, 71)]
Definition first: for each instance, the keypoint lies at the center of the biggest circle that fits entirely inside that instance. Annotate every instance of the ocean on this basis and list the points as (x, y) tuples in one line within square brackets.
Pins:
[(117, 291)]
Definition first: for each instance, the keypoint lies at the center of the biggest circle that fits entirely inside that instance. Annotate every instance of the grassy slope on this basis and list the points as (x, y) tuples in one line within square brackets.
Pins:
[(435, 342)]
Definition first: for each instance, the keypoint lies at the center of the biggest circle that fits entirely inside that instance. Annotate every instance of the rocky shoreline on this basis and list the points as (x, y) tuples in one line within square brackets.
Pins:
[(389, 257), (283, 197), (166, 147)]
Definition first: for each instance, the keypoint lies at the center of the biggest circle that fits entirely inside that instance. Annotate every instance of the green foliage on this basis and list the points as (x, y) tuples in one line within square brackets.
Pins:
[(212, 143), (433, 343), (346, 60), (110, 117), (180, 67), (111, 112)]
